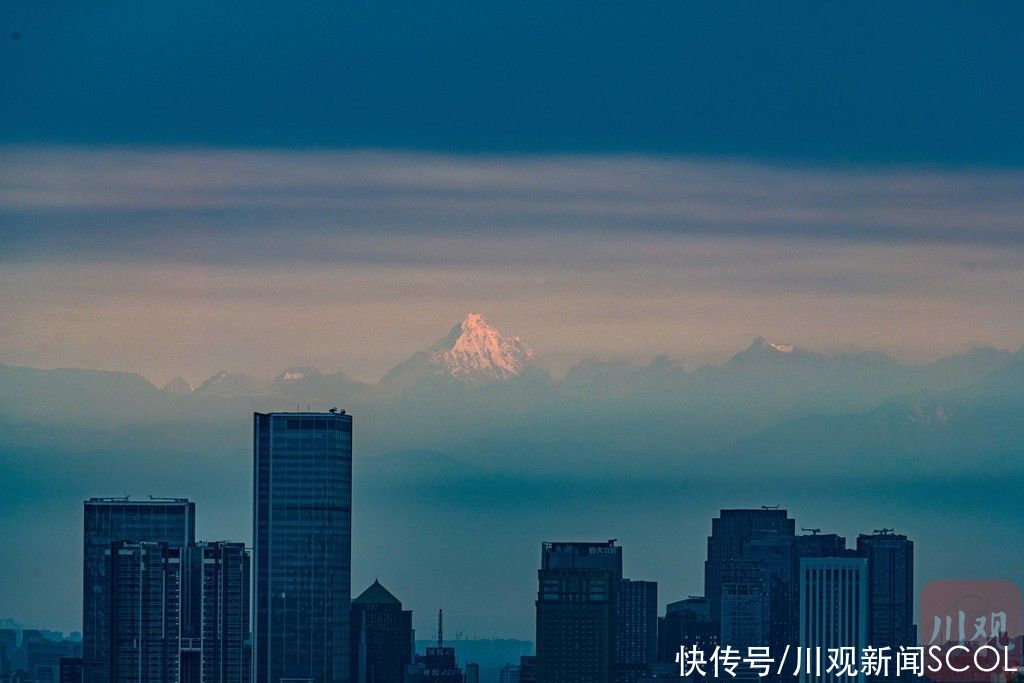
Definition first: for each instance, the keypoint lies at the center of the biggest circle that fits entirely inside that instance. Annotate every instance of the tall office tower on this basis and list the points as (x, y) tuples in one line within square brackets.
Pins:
[(636, 629), (145, 619), (729, 532), (215, 614), (473, 673), (302, 546), (107, 520), (779, 562), (382, 637), (576, 612), (890, 559), (833, 611), (744, 605), (686, 624)]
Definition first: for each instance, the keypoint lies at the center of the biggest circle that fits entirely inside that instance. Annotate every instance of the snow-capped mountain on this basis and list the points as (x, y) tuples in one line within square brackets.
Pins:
[(474, 352)]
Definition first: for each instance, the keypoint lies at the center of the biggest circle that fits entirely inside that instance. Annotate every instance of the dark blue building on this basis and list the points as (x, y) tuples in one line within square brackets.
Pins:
[(109, 520), (302, 546)]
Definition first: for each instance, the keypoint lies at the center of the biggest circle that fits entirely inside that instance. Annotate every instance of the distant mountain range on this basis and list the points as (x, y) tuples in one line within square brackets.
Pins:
[(482, 398)]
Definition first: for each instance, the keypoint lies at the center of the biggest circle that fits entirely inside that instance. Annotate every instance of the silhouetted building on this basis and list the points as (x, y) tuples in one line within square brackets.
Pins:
[(729, 532), (779, 563), (745, 614), (109, 520), (41, 655), (576, 611), (215, 614), (686, 624), (833, 609), (8, 647), (71, 670), (890, 559), (508, 674), (636, 628), (820, 545), (382, 637), (528, 669), (302, 540), (473, 673), (438, 665), (145, 620)]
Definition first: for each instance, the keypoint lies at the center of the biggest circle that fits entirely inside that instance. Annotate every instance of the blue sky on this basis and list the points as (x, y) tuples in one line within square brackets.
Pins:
[(935, 82)]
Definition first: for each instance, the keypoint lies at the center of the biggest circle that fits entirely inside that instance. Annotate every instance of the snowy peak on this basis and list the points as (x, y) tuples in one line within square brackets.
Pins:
[(475, 351)]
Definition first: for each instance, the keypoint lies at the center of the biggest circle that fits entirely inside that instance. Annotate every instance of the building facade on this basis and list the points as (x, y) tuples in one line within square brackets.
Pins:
[(110, 520), (302, 541), (576, 612), (636, 629), (145, 619), (833, 611), (890, 559), (730, 531), (215, 614), (382, 637)]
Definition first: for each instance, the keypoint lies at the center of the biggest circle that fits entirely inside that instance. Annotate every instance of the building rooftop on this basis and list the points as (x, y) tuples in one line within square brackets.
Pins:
[(377, 594)]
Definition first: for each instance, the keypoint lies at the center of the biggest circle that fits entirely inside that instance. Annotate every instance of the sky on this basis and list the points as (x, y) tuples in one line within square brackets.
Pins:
[(187, 187), (169, 261)]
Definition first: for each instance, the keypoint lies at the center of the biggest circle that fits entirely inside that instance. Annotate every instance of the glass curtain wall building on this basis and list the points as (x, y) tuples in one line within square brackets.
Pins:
[(302, 546)]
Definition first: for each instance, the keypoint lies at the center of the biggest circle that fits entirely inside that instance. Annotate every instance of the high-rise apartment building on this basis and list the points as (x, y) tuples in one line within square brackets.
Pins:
[(107, 521), (636, 629), (302, 517), (145, 620), (215, 614)]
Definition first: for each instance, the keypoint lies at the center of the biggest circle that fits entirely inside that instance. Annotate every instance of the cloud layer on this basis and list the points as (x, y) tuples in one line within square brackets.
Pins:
[(173, 261)]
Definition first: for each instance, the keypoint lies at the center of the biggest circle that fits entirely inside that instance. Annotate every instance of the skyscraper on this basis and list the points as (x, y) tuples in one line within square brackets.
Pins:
[(382, 637), (833, 610), (108, 520), (302, 546), (686, 624), (636, 628), (215, 614), (745, 604), (576, 612), (729, 532), (145, 620), (890, 559)]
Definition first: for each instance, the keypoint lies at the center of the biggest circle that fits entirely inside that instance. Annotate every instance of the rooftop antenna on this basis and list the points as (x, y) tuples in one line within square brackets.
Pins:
[(440, 628), (884, 532), (814, 532)]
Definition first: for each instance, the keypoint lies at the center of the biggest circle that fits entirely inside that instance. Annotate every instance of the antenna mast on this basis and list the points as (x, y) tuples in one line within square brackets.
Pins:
[(440, 628)]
